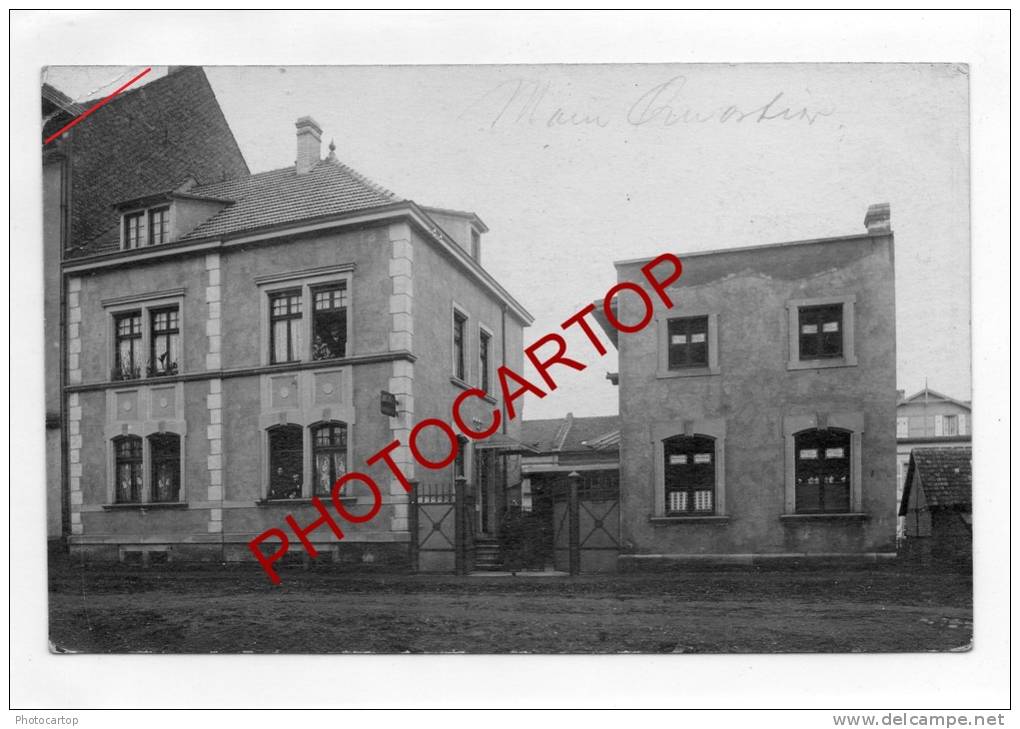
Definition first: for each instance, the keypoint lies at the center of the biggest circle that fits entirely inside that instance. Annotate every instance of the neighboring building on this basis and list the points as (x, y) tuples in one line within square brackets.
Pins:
[(147, 139), (586, 450), (936, 503), (227, 345), (757, 415), (588, 446), (927, 418)]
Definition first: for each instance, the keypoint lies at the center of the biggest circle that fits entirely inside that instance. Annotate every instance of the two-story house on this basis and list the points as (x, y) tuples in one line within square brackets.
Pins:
[(228, 344), (757, 414)]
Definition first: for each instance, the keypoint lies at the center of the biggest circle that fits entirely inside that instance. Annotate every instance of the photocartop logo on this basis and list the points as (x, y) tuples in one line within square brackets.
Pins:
[(659, 275)]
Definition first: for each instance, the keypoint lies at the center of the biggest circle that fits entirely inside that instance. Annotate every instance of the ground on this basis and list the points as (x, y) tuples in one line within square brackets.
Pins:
[(174, 609)]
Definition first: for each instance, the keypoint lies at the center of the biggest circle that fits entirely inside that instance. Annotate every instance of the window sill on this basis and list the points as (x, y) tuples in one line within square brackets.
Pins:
[(302, 500), (833, 516), (707, 519), (143, 507), (687, 372), (454, 380), (821, 364)]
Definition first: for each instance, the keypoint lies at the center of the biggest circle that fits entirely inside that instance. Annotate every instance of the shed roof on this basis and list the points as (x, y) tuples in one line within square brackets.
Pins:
[(572, 434), (943, 473)]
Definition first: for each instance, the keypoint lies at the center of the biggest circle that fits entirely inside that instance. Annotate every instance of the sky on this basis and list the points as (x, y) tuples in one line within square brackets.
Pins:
[(573, 167)]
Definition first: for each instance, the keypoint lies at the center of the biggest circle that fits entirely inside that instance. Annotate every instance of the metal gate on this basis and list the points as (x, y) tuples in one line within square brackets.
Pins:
[(586, 527), (441, 525)]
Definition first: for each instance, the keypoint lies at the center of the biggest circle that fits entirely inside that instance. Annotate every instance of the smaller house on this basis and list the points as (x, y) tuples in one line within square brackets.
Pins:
[(936, 504), (928, 418)]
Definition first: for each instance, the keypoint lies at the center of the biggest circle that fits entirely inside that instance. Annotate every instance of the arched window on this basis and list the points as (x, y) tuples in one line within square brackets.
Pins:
[(165, 449), (329, 455), (285, 459), (128, 467), (822, 459), (689, 474)]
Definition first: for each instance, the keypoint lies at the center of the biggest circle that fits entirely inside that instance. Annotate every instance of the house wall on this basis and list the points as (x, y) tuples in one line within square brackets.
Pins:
[(754, 391), (439, 285), (226, 394)]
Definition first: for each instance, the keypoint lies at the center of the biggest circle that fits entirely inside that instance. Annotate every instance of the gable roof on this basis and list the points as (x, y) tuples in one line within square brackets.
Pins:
[(146, 140), (283, 196), (943, 473), (932, 395), (570, 434)]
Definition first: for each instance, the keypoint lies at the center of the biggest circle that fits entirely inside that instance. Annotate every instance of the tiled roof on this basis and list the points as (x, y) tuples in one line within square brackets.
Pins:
[(569, 433), (945, 476), (283, 196), (146, 140)]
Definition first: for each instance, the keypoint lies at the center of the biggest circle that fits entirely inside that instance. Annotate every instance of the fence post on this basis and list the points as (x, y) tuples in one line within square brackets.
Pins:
[(461, 524), (412, 524), (573, 525)]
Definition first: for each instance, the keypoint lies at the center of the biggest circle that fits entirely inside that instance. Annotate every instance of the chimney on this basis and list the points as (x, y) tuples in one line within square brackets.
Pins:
[(309, 144), (877, 219)]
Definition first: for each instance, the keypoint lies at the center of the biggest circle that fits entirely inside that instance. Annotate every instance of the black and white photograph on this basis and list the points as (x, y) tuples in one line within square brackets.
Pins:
[(439, 360)]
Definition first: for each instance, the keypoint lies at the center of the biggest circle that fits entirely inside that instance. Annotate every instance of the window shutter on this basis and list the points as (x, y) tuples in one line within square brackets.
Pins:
[(938, 424), (963, 424)]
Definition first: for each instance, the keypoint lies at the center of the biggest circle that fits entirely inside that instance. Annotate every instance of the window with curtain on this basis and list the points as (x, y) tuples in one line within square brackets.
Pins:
[(285, 462), (164, 342), (689, 470), (165, 451), (127, 346), (822, 459), (329, 455), (127, 451), (285, 327), (329, 321)]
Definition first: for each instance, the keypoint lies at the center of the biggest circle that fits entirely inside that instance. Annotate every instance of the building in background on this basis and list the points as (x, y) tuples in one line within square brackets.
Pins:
[(147, 139), (757, 415), (927, 418), (228, 337), (936, 504)]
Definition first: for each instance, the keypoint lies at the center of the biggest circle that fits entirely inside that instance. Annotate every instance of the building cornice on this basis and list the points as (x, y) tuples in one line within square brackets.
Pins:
[(400, 211)]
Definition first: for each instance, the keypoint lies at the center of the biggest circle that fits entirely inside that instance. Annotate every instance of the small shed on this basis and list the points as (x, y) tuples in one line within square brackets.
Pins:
[(936, 503)]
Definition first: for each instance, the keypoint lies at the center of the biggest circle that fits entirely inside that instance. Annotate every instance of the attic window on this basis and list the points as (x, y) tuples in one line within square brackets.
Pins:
[(146, 228), (134, 230), (159, 226)]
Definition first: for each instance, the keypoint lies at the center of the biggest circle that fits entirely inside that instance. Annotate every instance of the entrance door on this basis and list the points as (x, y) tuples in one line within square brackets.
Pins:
[(484, 482)]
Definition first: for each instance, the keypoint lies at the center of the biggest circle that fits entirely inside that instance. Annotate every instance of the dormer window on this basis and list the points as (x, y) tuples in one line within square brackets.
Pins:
[(134, 230), (159, 226), (146, 227)]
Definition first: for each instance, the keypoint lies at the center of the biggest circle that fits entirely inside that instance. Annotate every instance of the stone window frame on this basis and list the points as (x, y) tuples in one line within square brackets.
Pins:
[(145, 304), (305, 281), (849, 357), (662, 333), (117, 427), (712, 427), (850, 421)]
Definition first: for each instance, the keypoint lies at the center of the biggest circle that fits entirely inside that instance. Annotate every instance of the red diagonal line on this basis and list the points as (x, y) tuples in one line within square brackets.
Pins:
[(102, 103)]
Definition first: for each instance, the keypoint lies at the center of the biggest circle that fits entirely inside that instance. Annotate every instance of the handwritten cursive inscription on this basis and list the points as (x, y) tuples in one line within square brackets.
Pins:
[(533, 102)]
